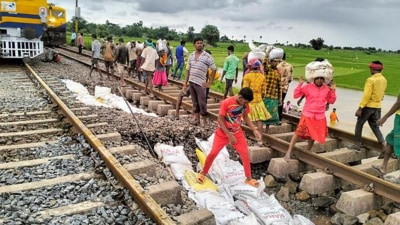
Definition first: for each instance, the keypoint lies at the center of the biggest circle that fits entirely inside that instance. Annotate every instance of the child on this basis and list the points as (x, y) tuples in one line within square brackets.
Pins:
[(229, 131), (287, 107), (333, 117), (160, 75), (312, 124), (256, 81)]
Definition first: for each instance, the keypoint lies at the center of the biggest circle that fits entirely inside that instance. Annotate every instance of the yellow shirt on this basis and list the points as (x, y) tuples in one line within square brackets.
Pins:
[(374, 91), (256, 82)]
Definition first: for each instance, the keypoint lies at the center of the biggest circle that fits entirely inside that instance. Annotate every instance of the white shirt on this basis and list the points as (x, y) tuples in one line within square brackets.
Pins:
[(96, 49), (150, 55)]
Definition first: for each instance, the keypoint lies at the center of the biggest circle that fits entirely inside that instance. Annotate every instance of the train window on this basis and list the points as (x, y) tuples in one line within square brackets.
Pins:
[(58, 14)]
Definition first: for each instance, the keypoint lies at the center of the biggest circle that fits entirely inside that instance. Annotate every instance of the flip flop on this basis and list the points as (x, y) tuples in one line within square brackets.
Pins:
[(378, 169), (200, 178), (252, 182)]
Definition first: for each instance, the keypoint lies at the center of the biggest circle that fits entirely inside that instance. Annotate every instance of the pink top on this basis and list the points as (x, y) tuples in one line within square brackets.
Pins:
[(316, 99), (80, 40)]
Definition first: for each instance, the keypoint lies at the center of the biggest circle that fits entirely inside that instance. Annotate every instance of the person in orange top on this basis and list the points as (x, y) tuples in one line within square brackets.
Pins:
[(229, 131), (333, 117)]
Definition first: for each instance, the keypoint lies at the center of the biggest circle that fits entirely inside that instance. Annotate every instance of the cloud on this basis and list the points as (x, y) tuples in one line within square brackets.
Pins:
[(364, 23)]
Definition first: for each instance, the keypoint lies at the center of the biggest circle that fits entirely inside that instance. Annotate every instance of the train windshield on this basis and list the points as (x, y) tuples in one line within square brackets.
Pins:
[(58, 13)]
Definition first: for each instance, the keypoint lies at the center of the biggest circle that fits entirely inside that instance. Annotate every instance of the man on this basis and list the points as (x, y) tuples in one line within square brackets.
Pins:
[(132, 58), (312, 125), (392, 139), (230, 70), (180, 60), (95, 55), (245, 63), (148, 65), (122, 60), (196, 76), (285, 69), (73, 38), (109, 56), (370, 105), (170, 60), (272, 96), (229, 131), (80, 43)]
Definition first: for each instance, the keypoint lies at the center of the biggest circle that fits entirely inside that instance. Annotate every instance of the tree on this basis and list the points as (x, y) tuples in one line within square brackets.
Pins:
[(190, 34), (317, 43), (211, 34), (224, 38)]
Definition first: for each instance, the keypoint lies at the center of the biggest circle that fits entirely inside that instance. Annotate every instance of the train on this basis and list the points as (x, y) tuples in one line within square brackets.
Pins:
[(26, 26), (55, 33)]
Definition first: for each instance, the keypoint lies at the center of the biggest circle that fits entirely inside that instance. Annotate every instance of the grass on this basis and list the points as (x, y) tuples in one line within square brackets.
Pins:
[(351, 66)]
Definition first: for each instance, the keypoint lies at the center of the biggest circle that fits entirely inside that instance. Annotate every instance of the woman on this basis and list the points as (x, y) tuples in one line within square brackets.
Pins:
[(255, 80), (312, 125)]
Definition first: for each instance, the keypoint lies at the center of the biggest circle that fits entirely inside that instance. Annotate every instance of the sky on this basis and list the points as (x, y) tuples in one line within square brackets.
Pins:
[(345, 23)]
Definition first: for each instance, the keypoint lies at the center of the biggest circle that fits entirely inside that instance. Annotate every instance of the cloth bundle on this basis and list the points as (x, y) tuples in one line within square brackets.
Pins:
[(319, 69)]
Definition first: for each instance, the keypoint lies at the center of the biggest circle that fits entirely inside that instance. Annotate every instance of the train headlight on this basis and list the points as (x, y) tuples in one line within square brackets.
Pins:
[(43, 14)]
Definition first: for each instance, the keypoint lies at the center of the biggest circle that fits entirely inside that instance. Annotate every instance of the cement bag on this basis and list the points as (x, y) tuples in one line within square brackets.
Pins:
[(223, 211), (229, 172), (246, 189), (201, 156), (76, 87), (170, 154), (301, 220), (247, 220), (269, 211), (101, 93), (206, 147), (190, 178), (178, 170)]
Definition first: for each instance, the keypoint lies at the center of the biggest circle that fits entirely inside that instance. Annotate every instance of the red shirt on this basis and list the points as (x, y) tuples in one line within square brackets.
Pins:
[(233, 112)]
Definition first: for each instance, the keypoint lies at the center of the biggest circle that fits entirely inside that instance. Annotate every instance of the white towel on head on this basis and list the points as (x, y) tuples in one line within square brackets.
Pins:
[(275, 53), (319, 69)]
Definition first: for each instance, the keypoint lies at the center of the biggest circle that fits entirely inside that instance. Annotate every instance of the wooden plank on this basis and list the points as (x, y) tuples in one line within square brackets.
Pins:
[(73, 209), (45, 183), (30, 132), (27, 145), (25, 113), (33, 162), (26, 122)]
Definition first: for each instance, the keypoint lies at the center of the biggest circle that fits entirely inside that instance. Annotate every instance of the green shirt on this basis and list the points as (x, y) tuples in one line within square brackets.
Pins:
[(230, 65)]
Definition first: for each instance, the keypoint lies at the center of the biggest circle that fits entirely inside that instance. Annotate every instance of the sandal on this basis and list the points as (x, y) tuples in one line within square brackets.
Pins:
[(252, 182), (200, 178)]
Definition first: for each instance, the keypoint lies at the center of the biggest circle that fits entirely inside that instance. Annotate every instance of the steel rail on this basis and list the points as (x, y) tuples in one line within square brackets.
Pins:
[(148, 204), (381, 187)]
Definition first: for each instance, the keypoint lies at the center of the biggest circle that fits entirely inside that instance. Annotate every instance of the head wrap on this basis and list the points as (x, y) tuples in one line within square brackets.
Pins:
[(319, 69), (150, 43), (275, 53), (255, 64), (376, 66)]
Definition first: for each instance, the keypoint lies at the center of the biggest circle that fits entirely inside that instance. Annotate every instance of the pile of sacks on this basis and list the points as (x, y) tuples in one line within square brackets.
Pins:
[(226, 195)]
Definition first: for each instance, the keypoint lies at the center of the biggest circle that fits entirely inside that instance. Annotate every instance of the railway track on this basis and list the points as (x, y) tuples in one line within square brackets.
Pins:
[(333, 158), (49, 174)]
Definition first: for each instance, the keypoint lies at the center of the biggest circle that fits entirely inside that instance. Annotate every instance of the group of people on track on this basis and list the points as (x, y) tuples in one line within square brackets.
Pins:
[(260, 100)]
